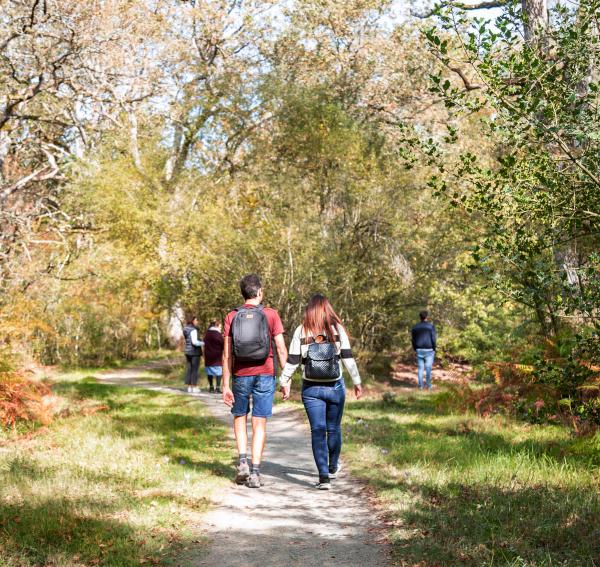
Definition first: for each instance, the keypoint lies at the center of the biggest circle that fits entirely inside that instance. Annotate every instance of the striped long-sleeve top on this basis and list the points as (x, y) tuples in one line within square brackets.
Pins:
[(299, 349)]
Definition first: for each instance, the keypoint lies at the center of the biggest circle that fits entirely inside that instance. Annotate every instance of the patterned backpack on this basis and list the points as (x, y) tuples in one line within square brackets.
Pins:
[(321, 361)]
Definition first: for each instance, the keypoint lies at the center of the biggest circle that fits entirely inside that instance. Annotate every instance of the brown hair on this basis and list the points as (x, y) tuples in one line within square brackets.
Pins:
[(250, 285), (319, 316)]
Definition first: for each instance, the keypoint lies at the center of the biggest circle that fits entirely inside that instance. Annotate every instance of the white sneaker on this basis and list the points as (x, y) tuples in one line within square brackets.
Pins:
[(190, 389), (196, 390), (336, 472)]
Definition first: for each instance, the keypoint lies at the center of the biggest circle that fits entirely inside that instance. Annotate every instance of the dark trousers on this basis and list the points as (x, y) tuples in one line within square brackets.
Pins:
[(210, 380), (191, 369), (324, 405)]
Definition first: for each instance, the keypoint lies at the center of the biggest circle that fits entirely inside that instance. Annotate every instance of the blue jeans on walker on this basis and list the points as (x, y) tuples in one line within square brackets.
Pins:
[(425, 358), (324, 405)]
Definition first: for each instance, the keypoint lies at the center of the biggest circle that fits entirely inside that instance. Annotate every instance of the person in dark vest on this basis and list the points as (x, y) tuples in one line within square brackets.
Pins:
[(248, 355), (213, 355), (193, 352), (321, 346), (424, 339)]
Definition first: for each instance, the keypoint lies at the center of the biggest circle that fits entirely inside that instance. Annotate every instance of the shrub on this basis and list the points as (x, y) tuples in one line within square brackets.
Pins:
[(560, 383), (24, 400)]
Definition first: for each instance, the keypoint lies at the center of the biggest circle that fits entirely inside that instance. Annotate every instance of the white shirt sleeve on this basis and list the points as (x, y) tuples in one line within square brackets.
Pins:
[(347, 357), (194, 337), (294, 358)]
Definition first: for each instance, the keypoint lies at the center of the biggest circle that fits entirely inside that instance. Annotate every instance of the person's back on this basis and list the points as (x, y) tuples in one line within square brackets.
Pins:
[(193, 352), (213, 347), (424, 343), (213, 355), (255, 367), (192, 346), (322, 346), (424, 335), (249, 333)]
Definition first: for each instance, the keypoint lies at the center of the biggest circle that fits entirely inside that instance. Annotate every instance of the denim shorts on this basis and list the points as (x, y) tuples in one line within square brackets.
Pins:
[(260, 388)]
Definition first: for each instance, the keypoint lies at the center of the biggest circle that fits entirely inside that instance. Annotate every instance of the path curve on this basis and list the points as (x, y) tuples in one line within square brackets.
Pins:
[(287, 522)]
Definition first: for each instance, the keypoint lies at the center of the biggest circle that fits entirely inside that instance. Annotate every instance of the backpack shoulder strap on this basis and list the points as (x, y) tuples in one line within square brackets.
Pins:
[(236, 310), (259, 307)]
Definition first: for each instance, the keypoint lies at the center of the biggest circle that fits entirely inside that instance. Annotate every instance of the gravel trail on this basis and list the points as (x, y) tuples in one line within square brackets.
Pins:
[(287, 522)]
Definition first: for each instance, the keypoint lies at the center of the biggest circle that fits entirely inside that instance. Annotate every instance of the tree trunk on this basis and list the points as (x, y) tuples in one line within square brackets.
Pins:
[(175, 325), (535, 18)]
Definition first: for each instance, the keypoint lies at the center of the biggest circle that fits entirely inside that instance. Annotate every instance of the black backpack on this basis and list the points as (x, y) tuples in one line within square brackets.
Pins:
[(250, 334), (322, 361)]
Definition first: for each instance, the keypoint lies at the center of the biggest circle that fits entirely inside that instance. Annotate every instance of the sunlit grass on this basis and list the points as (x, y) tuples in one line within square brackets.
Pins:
[(462, 490), (124, 486)]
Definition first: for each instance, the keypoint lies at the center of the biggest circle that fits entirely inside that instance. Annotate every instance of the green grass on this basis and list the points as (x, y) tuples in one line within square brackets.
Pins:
[(122, 487), (163, 369), (128, 485), (462, 490)]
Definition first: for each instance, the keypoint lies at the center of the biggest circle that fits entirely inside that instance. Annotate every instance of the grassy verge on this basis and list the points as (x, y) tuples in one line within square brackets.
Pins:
[(123, 486), (462, 490)]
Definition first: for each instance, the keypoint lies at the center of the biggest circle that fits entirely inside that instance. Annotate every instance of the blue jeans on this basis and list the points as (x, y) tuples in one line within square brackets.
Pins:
[(324, 405), (260, 388), (425, 358)]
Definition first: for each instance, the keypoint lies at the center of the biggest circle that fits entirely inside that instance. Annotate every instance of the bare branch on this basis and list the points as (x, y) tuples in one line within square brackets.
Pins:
[(486, 5), (469, 86), (44, 173)]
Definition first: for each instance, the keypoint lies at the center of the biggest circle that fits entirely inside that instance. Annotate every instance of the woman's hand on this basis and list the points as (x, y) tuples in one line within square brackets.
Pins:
[(358, 391), (285, 390)]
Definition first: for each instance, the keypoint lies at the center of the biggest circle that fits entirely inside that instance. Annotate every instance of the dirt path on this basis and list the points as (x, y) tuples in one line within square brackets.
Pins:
[(287, 522)]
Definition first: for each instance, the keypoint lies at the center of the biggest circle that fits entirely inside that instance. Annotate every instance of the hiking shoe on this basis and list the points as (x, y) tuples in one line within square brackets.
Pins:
[(333, 474), (242, 473), (254, 481), (219, 391), (211, 390), (323, 485)]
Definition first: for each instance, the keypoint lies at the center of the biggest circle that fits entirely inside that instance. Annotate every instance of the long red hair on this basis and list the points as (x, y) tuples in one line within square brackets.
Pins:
[(320, 317)]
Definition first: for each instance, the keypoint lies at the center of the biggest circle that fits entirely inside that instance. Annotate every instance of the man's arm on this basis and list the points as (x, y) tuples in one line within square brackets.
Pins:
[(281, 350), (412, 338), (227, 369)]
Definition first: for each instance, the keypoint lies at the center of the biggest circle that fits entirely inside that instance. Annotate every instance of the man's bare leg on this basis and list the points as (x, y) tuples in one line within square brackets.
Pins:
[(241, 439), (259, 436), (241, 434)]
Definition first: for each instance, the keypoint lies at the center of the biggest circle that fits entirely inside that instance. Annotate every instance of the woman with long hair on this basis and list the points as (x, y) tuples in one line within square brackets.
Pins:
[(321, 345)]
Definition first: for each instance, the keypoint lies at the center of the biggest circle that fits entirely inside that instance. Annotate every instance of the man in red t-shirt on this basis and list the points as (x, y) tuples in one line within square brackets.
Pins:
[(253, 379)]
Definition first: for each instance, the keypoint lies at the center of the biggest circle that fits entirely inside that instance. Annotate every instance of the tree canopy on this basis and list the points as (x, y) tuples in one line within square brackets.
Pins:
[(153, 152)]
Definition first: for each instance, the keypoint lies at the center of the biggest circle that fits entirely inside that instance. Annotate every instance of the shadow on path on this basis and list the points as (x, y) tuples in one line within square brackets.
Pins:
[(287, 521)]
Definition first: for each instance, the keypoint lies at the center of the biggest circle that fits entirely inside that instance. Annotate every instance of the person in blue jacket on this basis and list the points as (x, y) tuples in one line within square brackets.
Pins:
[(424, 339)]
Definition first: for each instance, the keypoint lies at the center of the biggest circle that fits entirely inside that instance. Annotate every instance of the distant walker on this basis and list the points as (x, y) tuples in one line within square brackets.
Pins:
[(213, 355), (424, 339), (193, 352)]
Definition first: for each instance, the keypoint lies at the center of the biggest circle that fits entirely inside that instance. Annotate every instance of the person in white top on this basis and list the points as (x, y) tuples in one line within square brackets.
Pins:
[(193, 351), (321, 345)]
